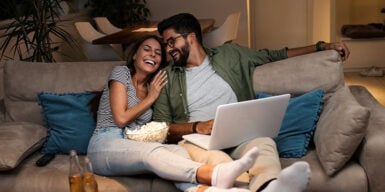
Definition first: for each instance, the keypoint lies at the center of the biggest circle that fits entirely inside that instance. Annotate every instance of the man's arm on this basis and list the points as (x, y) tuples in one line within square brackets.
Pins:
[(320, 46), (177, 130)]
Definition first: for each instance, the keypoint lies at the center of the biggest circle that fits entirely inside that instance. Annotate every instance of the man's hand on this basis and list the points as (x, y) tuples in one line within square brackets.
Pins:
[(205, 127), (340, 47)]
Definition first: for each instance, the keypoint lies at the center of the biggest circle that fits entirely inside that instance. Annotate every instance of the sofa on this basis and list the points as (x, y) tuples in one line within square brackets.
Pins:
[(23, 131), (345, 151)]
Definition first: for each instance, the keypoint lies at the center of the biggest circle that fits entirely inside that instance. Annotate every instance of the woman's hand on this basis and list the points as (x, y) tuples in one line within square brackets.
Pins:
[(156, 85)]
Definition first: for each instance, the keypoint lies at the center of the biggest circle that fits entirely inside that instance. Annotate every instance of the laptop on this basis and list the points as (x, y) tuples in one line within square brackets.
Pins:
[(236, 123)]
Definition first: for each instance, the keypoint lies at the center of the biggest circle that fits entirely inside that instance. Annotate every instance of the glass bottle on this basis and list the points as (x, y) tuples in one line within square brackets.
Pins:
[(75, 173), (89, 182)]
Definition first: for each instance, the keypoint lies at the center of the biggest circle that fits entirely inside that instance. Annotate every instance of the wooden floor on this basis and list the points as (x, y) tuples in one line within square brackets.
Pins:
[(375, 85)]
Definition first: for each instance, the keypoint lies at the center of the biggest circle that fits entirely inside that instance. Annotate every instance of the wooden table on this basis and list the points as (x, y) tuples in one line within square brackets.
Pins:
[(130, 34)]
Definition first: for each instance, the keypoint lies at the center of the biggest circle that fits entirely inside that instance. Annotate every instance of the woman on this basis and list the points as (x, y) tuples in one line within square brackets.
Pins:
[(126, 104)]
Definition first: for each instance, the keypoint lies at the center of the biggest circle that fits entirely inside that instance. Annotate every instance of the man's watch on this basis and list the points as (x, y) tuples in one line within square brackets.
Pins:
[(318, 45), (194, 127)]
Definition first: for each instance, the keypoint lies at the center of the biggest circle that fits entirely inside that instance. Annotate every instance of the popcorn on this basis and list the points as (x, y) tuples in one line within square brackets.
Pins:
[(150, 132)]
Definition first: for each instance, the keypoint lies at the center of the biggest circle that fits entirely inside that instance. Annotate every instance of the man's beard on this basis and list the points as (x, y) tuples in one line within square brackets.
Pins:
[(183, 55)]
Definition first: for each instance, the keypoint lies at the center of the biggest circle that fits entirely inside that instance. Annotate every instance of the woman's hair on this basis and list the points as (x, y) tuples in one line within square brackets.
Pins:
[(182, 23), (134, 48)]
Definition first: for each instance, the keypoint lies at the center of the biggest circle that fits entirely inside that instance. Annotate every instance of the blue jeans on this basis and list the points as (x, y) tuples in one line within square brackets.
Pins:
[(113, 154)]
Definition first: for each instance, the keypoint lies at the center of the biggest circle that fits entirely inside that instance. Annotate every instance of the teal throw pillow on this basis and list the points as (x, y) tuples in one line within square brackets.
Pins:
[(299, 123), (70, 121)]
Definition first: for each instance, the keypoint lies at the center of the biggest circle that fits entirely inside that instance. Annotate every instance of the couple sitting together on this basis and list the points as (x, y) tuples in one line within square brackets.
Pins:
[(147, 89)]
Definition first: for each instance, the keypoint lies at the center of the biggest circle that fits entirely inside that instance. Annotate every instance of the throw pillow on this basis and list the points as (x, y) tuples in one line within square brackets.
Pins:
[(69, 120), (298, 123), (18, 140), (340, 130)]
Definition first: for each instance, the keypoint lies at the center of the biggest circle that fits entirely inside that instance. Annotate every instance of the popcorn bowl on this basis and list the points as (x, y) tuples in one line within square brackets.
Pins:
[(150, 132)]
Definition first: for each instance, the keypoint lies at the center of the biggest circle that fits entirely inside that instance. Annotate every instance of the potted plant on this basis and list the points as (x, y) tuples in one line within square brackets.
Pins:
[(121, 13), (34, 32)]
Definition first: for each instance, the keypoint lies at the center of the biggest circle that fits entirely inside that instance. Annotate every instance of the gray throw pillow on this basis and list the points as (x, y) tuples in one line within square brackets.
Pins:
[(340, 130), (18, 140)]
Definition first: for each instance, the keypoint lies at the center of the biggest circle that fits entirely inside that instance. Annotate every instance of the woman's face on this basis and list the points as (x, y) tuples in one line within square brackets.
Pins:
[(148, 56)]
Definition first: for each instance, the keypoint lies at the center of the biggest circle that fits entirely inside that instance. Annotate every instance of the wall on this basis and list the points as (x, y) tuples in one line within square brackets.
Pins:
[(342, 16), (322, 23), (368, 11), (217, 9), (280, 23)]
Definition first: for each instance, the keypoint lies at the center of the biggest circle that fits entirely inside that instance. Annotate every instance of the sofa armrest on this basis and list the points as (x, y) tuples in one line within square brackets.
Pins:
[(298, 75), (371, 154)]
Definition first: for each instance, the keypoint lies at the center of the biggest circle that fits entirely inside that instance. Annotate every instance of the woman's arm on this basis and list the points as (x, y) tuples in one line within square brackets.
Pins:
[(121, 113)]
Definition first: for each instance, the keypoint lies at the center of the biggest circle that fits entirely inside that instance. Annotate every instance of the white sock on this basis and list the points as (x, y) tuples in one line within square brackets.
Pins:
[(294, 178), (224, 174), (216, 189)]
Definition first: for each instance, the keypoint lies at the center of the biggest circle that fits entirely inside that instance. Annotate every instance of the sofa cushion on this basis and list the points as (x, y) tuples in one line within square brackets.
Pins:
[(298, 123), (24, 80), (340, 130), (301, 74), (70, 121), (18, 140), (351, 178)]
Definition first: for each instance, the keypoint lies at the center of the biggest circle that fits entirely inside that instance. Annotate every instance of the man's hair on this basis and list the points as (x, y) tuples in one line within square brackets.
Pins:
[(182, 23)]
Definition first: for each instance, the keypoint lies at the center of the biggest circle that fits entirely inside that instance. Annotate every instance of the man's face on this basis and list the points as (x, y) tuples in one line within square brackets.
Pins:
[(176, 46)]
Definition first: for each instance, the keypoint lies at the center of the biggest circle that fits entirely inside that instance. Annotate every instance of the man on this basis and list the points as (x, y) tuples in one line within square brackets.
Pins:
[(200, 79)]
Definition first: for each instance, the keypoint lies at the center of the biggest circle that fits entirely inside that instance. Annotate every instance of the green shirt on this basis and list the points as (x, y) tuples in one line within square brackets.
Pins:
[(234, 63)]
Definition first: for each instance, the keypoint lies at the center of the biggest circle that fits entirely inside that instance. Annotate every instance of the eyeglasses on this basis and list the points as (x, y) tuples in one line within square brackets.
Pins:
[(171, 41)]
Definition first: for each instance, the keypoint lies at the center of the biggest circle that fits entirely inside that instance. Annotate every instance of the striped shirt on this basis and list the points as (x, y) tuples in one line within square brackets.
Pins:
[(104, 118)]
